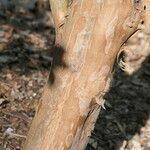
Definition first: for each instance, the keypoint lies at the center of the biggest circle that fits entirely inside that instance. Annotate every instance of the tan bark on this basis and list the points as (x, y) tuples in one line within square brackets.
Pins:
[(91, 38), (59, 11), (147, 16), (135, 55)]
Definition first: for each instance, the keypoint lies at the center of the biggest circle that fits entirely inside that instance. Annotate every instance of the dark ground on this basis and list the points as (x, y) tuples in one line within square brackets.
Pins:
[(26, 44)]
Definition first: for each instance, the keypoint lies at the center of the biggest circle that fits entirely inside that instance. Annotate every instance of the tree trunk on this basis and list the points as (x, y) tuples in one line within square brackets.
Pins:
[(88, 40), (147, 16)]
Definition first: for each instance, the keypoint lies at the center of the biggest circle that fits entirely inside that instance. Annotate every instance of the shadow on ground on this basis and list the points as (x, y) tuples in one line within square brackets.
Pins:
[(127, 110)]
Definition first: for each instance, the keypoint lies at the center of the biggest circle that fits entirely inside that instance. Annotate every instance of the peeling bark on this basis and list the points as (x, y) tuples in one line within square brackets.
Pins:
[(91, 38)]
